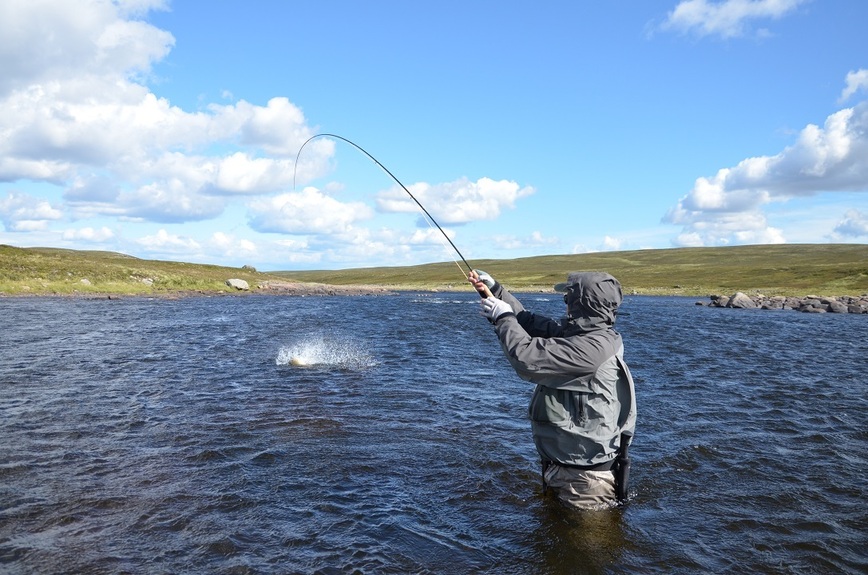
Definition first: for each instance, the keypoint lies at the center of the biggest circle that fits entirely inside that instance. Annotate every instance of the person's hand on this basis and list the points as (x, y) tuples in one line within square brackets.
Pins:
[(479, 284), (485, 278), (494, 308)]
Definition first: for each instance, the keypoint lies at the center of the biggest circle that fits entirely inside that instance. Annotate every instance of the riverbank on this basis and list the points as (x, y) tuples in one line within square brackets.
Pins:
[(830, 270), (268, 288)]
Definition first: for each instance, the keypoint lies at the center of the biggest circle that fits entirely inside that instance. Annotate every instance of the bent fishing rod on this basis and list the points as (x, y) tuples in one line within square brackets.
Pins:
[(385, 169)]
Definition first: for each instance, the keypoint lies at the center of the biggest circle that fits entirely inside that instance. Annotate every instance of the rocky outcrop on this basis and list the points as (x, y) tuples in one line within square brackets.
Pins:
[(807, 304)]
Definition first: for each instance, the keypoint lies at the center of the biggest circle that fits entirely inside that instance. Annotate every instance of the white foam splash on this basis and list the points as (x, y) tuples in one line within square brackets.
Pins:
[(324, 352)]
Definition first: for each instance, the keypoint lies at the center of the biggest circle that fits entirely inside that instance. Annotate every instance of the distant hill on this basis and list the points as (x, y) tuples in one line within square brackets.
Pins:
[(788, 269)]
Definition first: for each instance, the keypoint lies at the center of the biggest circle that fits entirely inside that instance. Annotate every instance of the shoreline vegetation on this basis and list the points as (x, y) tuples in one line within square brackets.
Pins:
[(786, 270)]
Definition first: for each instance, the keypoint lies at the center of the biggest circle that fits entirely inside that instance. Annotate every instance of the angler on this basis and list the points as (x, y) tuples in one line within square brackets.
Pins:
[(583, 410)]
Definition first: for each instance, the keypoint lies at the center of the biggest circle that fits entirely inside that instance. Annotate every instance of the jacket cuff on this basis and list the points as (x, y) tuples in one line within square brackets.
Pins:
[(503, 315)]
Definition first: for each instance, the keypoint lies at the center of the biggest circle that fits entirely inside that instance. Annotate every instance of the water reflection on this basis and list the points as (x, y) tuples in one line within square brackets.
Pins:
[(577, 541)]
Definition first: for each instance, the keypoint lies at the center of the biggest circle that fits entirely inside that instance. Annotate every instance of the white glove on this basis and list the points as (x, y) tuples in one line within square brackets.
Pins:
[(493, 308), (486, 278)]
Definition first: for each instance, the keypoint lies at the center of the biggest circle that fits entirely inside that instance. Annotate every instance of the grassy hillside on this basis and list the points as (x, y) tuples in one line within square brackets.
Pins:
[(58, 271), (822, 269)]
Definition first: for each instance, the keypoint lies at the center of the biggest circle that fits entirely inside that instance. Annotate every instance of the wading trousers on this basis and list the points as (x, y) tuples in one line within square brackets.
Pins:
[(581, 488)]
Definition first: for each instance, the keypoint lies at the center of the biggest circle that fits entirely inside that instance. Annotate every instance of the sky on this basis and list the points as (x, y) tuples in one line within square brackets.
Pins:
[(176, 130)]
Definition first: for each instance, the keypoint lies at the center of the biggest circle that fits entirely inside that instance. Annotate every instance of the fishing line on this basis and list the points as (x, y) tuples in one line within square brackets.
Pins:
[(429, 218)]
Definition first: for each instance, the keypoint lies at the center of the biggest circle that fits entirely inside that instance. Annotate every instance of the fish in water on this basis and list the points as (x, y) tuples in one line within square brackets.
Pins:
[(298, 362)]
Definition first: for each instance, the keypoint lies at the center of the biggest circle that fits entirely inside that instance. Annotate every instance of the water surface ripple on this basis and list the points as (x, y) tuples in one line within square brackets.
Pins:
[(161, 436)]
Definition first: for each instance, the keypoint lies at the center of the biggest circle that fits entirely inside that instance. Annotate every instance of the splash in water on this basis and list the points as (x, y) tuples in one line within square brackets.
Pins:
[(325, 352)]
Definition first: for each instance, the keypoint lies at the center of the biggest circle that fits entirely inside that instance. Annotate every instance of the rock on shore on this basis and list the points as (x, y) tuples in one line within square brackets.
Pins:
[(238, 284), (807, 304)]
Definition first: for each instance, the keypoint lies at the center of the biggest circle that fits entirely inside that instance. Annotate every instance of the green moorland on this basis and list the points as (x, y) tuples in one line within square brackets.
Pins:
[(51, 271), (789, 269)]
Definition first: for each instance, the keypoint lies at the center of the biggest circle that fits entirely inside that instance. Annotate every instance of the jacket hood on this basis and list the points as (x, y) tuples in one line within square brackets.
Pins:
[(592, 301)]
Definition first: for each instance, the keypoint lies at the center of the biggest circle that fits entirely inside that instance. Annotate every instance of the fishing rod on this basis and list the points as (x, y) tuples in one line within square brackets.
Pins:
[(385, 169)]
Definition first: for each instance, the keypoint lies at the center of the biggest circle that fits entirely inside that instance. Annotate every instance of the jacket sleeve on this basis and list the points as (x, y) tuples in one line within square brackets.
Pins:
[(535, 325), (558, 362)]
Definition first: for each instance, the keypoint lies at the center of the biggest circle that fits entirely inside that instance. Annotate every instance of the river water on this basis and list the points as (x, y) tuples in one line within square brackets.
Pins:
[(175, 436)]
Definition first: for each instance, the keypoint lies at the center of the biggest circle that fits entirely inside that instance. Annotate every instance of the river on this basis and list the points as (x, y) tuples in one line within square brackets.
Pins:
[(175, 436)]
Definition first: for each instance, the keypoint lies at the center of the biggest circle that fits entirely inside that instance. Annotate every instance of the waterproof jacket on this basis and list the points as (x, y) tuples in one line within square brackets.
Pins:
[(584, 399)]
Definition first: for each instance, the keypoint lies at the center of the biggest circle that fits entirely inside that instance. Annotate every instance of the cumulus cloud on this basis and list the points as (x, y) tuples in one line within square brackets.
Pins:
[(79, 118), (75, 39), (306, 212), (88, 234), (165, 243), (21, 212), (76, 113), (728, 207), (611, 244), (856, 81), (854, 225), (456, 202), (726, 19), (231, 247), (428, 236)]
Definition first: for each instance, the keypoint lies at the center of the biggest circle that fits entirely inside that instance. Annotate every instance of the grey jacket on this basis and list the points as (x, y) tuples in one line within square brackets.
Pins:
[(584, 399)]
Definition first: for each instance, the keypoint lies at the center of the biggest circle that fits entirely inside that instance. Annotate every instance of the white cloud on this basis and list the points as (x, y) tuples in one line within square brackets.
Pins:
[(74, 111), (856, 81), (534, 240), (166, 202), (88, 234), (689, 240), (727, 19), (75, 39), (766, 235), (356, 244), (456, 202), (728, 207), (306, 212), (854, 225), (278, 127), (241, 173), (228, 247), (79, 118), (583, 249), (428, 236), (353, 244), (294, 243), (20, 212), (144, 142), (611, 244), (726, 228), (166, 243)]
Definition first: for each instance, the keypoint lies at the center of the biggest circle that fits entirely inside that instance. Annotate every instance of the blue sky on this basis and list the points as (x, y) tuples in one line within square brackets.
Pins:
[(169, 130)]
